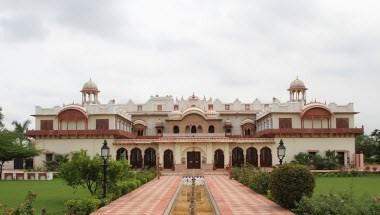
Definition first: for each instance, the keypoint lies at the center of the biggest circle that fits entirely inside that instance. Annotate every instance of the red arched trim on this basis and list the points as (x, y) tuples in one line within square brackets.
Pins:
[(72, 114), (316, 111)]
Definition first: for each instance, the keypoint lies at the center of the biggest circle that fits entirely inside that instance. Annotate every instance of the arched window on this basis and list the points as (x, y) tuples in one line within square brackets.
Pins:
[(252, 156), (168, 159), (237, 157), (175, 129), (136, 158), (193, 129), (200, 129), (247, 132), (265, 157), (150, 158), (211, 129), (219, 159), (122, 154)]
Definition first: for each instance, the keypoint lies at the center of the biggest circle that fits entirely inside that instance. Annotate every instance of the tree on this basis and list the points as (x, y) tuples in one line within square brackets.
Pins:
[(369, 145), (1, 118), (9, 149), (58, 160), (82, 170), (20, 129)]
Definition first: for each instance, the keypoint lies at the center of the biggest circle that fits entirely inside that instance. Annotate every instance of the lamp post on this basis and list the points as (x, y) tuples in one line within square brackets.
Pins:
[(281, 150), (105, 153)]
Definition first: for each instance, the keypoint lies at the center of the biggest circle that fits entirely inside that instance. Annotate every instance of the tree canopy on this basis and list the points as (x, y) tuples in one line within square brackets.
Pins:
[(1, 119), (20, 129), (369, 145), (10, 149), (86, 171)]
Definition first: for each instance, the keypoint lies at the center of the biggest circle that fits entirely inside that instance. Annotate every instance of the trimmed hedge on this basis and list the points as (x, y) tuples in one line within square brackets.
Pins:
[(87, 206), (260, 182), (289, 183), (82, 206)]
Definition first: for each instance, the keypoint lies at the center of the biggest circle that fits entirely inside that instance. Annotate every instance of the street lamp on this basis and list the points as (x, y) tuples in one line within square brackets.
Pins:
[(281, 151), (105, 153)]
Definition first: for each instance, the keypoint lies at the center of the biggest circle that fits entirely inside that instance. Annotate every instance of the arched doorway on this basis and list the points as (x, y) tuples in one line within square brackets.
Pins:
[(175, 129), (237, 157), (252, 156), (136, 158), (122, 154), (265, 157), (168, 159), (211, 129), (219, 159), (150, 158), (193, 129)]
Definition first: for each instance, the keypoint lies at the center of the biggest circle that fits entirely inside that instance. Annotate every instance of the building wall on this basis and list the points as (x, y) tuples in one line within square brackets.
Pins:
[(297, 145), (67, 146)]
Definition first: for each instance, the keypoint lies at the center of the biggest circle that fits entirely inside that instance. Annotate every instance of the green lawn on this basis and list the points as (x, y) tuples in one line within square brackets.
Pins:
[(50, 194), (360, 186)]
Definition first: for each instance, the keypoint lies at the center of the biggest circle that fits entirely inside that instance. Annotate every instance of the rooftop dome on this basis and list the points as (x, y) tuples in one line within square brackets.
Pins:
[(90, 86), (297, 84)]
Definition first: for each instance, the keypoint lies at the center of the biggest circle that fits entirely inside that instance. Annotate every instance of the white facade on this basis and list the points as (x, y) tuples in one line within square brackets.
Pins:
[(196, 132)]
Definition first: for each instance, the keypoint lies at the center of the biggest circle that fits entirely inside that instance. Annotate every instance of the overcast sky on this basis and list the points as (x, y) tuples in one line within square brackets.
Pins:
[(221, 49)]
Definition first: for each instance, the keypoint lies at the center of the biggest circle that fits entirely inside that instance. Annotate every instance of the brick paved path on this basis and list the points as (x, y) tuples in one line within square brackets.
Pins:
[(235, 198), (150, 199)]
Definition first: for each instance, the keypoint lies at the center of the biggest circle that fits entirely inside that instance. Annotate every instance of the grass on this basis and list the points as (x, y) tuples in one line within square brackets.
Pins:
[(365, 186), (50, 194)]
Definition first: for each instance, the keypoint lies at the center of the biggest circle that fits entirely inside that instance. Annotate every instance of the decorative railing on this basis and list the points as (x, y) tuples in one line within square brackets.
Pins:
[(309, 131), (194, 135), (93, 133)]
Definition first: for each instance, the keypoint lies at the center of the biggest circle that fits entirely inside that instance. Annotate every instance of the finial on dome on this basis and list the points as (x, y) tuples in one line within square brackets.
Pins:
[(90, 92), (297, 90)]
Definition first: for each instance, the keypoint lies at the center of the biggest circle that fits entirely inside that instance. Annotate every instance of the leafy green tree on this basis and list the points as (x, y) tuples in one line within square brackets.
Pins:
[(58, 160), (376, 136), (369, 145), (9, 149), (20, 129), (1, 119), (82, 170)]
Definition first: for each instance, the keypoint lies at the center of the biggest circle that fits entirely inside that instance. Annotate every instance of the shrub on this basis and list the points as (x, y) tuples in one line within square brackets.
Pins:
[(289, 183), (303, 158), (127, 186), (82, 206), (260, 182), (336, 204), (246, 175), (329, 161), (235, 172), (26, 207)]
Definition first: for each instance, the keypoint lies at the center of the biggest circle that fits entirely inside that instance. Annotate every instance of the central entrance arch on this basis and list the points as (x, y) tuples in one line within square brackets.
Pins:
[(194, 160), (168, 159), (219, 159)]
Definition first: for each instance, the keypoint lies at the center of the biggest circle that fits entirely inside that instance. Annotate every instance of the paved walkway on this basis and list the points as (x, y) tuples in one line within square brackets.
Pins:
[(150, 199), (235, 198)]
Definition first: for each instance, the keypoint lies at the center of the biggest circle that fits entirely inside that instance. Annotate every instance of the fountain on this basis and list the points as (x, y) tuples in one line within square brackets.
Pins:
[(193, 198)]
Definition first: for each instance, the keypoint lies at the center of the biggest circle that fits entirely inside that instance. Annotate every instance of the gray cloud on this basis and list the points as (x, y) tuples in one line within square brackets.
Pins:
[(220, 49)]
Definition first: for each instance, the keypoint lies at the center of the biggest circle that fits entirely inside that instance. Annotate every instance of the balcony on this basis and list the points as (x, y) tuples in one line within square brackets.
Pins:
[(194, 135), (113, 133), (310, 132)]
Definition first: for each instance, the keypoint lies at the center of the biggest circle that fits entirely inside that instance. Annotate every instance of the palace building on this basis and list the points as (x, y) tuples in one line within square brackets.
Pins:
[(196, 133)]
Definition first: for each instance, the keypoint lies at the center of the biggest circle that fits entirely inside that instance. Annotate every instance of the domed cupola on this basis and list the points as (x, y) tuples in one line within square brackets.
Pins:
[(90, 93), (297, 91)]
